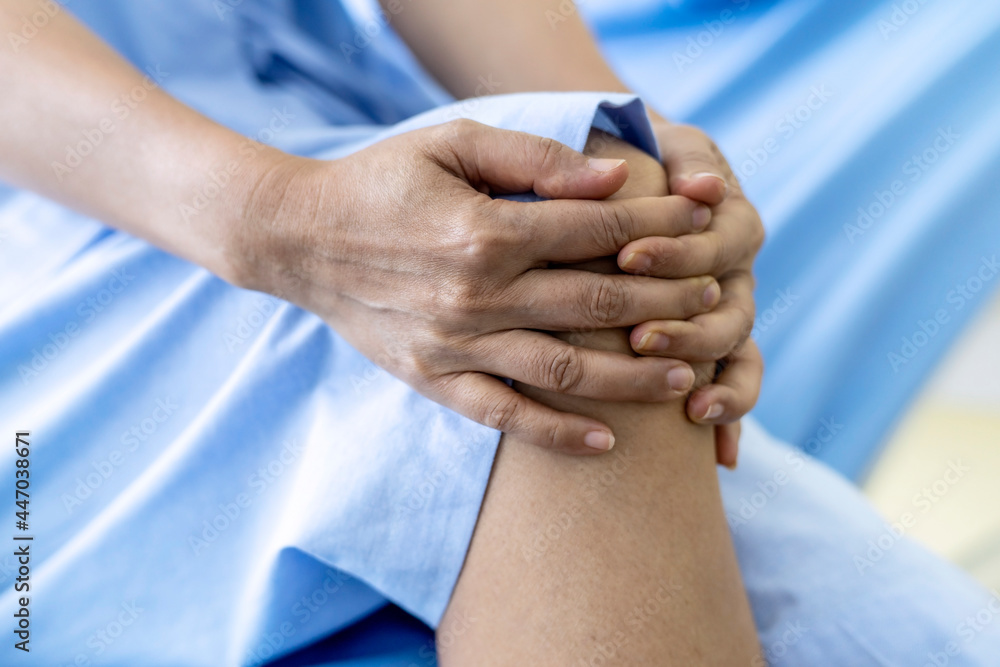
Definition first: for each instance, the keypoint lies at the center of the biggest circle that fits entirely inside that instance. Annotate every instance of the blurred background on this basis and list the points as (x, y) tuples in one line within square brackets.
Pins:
[(955, 419)]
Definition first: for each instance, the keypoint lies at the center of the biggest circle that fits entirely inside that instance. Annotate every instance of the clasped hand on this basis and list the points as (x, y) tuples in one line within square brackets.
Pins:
[(403, 249)]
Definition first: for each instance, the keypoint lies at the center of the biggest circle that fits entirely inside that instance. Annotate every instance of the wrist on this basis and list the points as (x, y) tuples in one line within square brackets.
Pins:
[(259, 219)]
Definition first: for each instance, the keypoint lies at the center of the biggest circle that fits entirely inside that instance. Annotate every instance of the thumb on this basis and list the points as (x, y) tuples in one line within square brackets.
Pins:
[(513, 162), (695, 166)]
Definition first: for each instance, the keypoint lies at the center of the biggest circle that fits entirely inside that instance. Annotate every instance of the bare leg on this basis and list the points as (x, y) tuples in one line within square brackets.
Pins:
[(620, 559)]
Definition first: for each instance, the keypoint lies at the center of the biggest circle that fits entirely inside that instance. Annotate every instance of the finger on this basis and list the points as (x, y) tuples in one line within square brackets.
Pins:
[(734, 235), (706, 337), (706, 187), (727, 444), (695, 166), (734, 392), (577, 300), (543, 361), (575, 231), (510, 162), (491, 402)]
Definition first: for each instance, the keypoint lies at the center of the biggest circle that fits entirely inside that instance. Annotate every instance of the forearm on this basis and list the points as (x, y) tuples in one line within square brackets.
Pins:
[(522, 45), (84, 128)]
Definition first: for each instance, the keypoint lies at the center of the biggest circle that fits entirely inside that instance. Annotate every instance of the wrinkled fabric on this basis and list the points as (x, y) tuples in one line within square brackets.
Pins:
[(219, 479)]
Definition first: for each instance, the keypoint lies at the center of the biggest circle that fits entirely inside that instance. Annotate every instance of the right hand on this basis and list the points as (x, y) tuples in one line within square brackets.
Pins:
[(402, 250)]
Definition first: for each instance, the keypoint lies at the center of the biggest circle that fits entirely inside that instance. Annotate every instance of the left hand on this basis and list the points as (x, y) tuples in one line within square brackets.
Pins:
[(697, 169)]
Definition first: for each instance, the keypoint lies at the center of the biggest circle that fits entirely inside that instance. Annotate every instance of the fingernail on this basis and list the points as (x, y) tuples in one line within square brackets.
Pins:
[(701, 217), (708, 174), (654, 341), (604, 165), (637, 262), (712, 293), (601, 440), (680, 379), (714, 410)]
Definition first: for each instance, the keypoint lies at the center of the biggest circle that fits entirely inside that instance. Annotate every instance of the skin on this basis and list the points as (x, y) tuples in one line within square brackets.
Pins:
[(623, 559), (543, 45)]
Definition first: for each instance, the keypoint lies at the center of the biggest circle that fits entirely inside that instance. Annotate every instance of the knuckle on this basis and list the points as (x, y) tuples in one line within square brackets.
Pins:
[(616, 225), (512, 222), (418, 368), (478, 247), (563, 371), (716, 346), (677, 208), (609, 302), (668, 257), (456, 301), (719, 253), (415, 370), (694, 295), (709, 154), (554, 434), (550, 153), (502, 413)]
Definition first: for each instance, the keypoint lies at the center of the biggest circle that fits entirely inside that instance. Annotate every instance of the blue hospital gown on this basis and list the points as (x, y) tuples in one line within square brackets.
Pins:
[(219, 479)]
